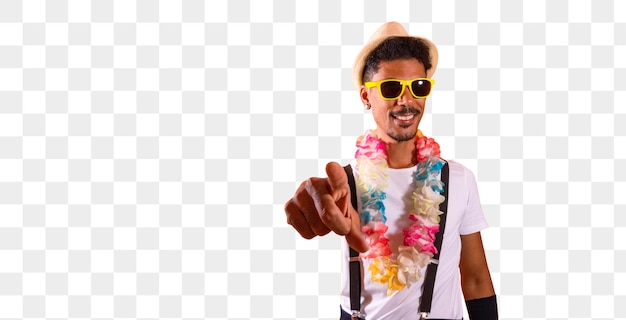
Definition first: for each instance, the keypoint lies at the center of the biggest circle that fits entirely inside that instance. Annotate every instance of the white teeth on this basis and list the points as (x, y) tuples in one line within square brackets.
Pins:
[(405, 118)]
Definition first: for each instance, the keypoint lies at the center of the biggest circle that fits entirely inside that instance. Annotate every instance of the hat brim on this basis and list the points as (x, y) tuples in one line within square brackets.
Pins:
[(389, 29)]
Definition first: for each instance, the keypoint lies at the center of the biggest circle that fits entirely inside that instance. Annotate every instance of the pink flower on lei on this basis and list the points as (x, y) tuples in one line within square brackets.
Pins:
[(421, 233), (378, 243), (426, 147), (370, 147)]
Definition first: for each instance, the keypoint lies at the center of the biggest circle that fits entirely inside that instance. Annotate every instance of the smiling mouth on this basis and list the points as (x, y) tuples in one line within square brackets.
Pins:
[(406, 114), (406, 117)]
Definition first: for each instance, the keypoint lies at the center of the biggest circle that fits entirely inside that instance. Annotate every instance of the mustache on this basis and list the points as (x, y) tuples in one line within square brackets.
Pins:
[(405, 111)]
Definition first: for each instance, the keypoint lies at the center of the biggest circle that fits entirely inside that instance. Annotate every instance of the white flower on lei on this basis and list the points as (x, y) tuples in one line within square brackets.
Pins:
[(410, 264)]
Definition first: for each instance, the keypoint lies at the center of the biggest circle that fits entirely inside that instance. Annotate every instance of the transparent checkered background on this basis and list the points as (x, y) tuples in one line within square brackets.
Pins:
[(147, 148)]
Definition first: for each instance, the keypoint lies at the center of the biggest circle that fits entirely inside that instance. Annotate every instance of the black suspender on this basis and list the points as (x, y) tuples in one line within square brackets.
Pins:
[(355, 263), (431, 270)]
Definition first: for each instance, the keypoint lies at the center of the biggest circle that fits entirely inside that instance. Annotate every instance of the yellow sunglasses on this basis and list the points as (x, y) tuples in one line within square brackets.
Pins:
[(392, 89)]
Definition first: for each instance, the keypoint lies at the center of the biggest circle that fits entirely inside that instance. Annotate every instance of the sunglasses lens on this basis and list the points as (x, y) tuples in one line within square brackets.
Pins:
[(390, 89), (421, 88)]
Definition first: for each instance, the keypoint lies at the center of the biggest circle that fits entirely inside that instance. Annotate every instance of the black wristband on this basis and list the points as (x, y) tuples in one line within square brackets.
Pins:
[(483, 308)]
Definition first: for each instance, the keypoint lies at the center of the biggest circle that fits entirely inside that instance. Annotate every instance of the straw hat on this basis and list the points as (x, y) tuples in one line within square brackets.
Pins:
[(387, 30)]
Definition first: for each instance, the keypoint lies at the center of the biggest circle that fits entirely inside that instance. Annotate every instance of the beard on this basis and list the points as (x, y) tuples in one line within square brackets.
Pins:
[(405, 133), (402, 136)]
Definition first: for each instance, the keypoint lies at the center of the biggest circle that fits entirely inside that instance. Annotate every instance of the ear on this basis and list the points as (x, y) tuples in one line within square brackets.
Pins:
[(363, 92)]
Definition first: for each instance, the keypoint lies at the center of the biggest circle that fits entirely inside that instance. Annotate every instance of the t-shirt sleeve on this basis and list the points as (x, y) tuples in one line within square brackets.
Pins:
[(473, 217)]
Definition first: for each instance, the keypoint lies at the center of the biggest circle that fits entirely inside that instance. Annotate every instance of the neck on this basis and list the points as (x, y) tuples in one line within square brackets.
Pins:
[(401, 154)]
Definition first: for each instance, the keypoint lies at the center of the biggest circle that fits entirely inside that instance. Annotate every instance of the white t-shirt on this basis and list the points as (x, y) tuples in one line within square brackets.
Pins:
[(464, 216)]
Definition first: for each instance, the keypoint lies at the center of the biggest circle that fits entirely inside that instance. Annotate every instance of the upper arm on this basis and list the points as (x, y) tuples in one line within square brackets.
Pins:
[(475, 277)]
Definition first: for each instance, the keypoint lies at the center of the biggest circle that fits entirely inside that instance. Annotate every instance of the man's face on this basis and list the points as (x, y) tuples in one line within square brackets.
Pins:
[(397, 120)]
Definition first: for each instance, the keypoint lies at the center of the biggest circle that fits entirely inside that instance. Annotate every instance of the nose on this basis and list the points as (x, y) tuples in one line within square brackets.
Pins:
[(406, 98)]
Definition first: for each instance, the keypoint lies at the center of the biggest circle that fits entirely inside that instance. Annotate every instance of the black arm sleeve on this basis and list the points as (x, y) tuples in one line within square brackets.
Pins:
[(483, 308)]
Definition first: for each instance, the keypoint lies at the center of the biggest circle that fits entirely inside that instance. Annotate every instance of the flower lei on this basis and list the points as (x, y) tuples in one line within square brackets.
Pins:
[(419, 236)]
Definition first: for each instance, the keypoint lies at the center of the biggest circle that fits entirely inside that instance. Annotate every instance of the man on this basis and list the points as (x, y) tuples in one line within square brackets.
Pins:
[(399, 192)]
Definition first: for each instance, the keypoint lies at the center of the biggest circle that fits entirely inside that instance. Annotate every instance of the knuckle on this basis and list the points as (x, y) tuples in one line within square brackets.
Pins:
[(315, 183), (301, 186), (309, 185), (288, 205), (300, 198)]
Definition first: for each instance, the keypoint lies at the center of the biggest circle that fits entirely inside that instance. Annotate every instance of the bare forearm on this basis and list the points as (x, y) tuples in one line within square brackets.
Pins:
[(477, 287), (480, 298)]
